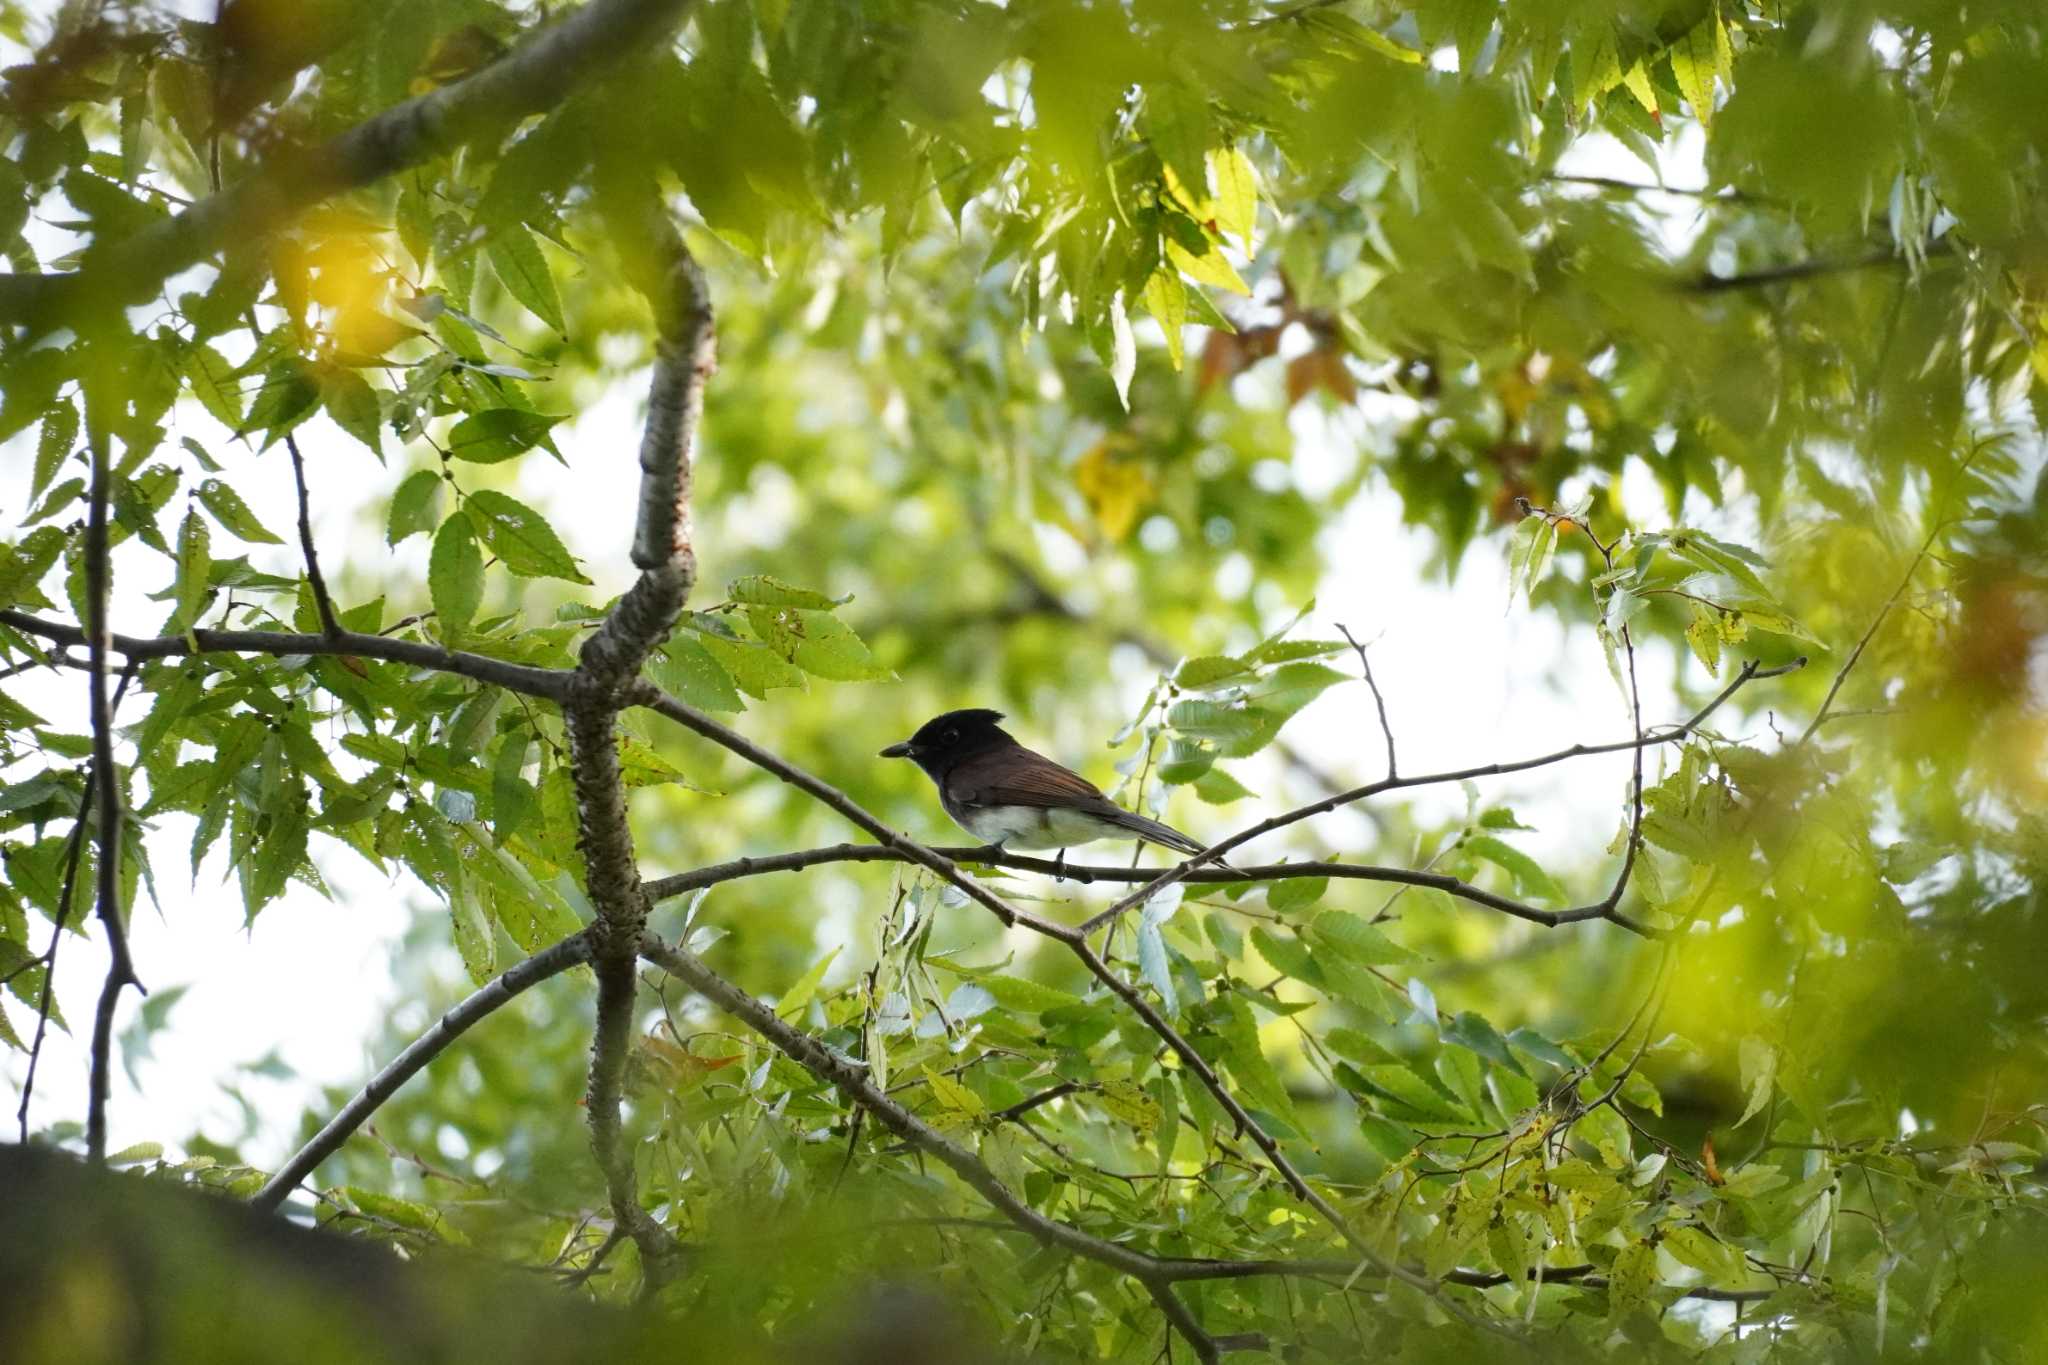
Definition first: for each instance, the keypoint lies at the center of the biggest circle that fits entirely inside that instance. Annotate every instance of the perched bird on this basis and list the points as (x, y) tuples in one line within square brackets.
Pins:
[(1004, 794)]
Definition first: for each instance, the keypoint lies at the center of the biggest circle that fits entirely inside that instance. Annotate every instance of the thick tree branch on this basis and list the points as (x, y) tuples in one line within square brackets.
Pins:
[(104, 792), (685, 355), (550, 683), (485, 1000), (535, 76)]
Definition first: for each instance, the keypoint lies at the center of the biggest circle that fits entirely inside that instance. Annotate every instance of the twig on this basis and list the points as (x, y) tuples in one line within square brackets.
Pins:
[(1705, 283), (330, 624), (1750, 673), (484, 1001), (1381, 702)]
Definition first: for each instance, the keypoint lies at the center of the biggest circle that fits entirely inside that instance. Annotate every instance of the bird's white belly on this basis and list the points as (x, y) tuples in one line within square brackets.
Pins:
[(1028, 827)]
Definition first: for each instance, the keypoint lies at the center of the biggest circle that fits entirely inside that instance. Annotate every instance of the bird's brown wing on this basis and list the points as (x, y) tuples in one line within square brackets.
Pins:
[(1019, 777)]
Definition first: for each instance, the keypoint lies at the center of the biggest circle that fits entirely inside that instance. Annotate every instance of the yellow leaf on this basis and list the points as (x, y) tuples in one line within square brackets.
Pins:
[(1127, 1101), (1236, 205), (1117, 489), (1208, 268), (1166, 298), (957, 1104), (1638, 82)]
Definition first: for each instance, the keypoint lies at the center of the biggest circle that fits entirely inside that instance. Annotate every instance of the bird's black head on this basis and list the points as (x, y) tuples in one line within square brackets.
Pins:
[(944, 740)]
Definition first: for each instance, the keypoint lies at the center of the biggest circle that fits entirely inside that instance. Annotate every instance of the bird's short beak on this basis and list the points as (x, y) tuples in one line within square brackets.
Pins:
[(897, 750)]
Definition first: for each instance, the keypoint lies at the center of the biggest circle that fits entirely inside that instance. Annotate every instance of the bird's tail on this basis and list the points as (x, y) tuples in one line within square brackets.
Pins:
[(1166, 836)]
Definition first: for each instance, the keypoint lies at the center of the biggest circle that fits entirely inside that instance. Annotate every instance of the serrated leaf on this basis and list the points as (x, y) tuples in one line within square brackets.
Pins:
[(1236, 201), (233, 514), (520, 538), (1207, 266), (353, 405), (1530, 878), (1692, 67), (212, 381), (957, 1104), (415, 507), (1209, 669), (685, 669), (1166, 299), (1357, 939), (763, 591), (53, 444), (1295, 893), (498, 434), (1219, 788), (195, 563), (1128, 1102), (523, 269), (804, 987), (455, 576)]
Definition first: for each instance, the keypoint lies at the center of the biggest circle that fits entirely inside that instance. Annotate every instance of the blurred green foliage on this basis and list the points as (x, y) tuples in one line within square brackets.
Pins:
[(1056, 341)]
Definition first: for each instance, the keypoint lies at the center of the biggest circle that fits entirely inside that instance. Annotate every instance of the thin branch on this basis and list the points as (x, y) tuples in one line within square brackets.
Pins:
[(1705, 283), (1820, 717), (537, 75), (551, 683), (1750, 673), (323, 603), (665, 887), (49, 958), (1380, 702), (485, 1000), (852, 1079)]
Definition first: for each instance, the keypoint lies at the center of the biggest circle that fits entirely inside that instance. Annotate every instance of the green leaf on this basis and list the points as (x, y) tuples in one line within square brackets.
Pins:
[(1631, 1280), (760, 590), (1127, 1102), (1357, 939), (233, 514), (498, 434), (455, 576), (473, 937), (53, 444), (1475, 1034), (1759, 1072), (817, 642), (800, 992), (415, 507), (754, 668), (213, 383), (520, 537), (1530, 878), (685, 669), (523, 269), (1209, 669), (1219, 788), (195, 563), (353, 405), (25, 564), (1295, 893)]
